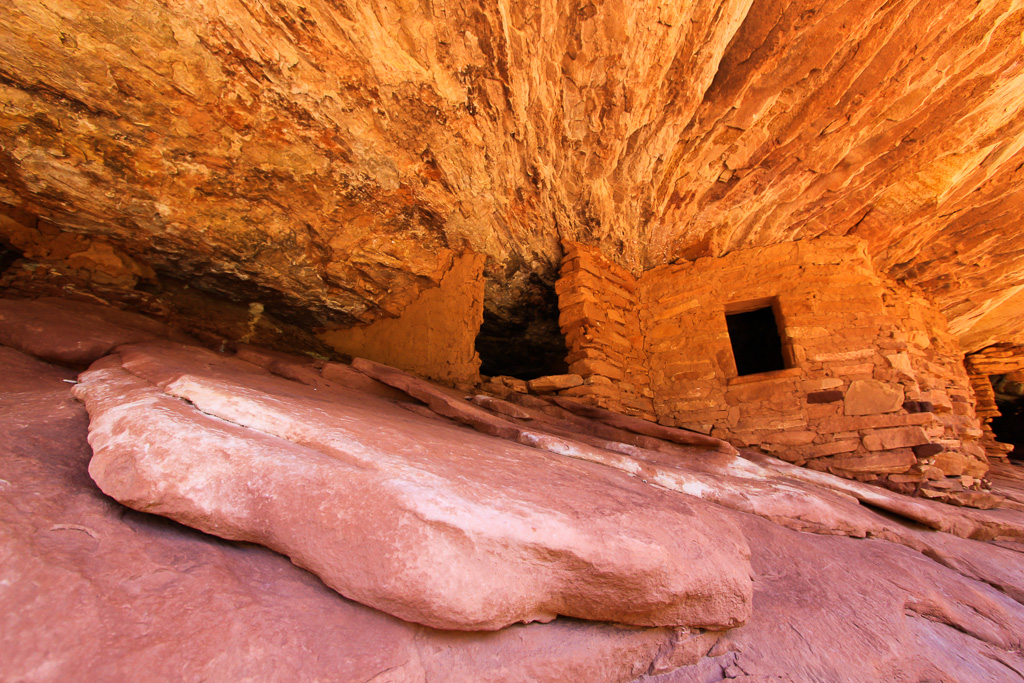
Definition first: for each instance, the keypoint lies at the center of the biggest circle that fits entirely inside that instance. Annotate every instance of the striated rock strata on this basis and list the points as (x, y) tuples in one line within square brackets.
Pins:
[(92, 590), (327, 159)]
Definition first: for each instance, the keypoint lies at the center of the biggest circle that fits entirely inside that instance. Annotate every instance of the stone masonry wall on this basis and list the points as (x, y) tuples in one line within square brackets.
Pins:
[(998, 359), (938, 380), (599, 316), (874, 386)]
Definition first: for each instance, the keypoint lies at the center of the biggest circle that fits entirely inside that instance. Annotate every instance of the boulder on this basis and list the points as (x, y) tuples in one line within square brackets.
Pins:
[(419, 518), (93, 591)]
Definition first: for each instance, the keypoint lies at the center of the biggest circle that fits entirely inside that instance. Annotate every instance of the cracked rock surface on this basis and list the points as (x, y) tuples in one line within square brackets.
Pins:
[(92, 590), (426, 521)]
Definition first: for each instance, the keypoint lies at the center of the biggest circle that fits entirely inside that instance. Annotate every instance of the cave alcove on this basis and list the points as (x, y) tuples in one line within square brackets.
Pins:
[(522, 338), (8, 256), (1008, 426)]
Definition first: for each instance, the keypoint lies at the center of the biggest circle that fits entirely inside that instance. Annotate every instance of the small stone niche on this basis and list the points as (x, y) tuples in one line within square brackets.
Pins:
[(754, 336), (8, 255)]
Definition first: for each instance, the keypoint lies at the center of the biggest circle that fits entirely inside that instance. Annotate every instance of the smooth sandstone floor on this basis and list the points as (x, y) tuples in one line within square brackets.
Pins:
[(91, 590), (95, 591)]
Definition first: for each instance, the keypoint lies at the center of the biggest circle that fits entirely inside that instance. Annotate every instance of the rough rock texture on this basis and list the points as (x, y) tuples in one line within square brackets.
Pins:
[(330, 156), (993, 360), (551, 384), (599, 314), (857, 356), (871, 397), (866, 613), (468, 533), (73, 266), (95, 591)]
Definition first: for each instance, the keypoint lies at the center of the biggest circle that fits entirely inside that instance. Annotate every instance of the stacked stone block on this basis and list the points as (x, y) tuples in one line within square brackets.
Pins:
[(874, 385), (599, 317), (998, 359), (938, 381)]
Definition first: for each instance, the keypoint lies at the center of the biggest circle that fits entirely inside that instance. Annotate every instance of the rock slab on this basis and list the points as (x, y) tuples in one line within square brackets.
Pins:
[(421, 519), (74, 333), (93, 591)]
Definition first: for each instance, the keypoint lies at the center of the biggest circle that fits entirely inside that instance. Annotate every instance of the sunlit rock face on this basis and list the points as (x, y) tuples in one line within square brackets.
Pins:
[(334, 156)]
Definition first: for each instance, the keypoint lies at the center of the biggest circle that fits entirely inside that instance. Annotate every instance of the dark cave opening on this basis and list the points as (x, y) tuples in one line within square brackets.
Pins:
[(1008, 427), (8, 255), (523, 339), (756, 344)]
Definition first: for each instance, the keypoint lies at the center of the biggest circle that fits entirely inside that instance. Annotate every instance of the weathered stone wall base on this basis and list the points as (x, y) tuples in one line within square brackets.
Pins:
[(599, 315)]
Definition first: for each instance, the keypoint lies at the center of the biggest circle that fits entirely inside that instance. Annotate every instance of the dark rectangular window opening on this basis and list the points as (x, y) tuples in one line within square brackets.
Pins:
[(755, 339)]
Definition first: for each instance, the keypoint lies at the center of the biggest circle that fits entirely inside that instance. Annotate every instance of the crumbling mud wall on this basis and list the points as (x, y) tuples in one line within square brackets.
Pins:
[(869, 382), (434, 336)]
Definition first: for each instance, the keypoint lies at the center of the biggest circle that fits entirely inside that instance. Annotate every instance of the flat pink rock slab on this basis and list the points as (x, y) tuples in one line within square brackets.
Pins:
[(92, 591), (74, 333), (425, 520)]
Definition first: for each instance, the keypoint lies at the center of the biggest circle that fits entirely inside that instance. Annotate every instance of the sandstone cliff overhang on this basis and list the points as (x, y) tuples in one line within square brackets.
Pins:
[(328, 159)]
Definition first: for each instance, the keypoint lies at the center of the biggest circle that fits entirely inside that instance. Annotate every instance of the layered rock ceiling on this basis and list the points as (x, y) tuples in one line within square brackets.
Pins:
[(328, 159)]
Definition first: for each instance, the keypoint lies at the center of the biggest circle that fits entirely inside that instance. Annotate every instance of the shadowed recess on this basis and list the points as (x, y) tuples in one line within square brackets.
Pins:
[(524, 340)]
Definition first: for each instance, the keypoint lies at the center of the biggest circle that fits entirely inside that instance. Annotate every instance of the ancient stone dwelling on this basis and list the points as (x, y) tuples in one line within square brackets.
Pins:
[(802, 350), (864, 378), (628, 341)]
